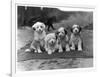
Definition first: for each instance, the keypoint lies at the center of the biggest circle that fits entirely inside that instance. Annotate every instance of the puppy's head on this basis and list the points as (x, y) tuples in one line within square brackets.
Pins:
[(51, 39), (38, 27), (52, 42), (76, 29), (61, 32)]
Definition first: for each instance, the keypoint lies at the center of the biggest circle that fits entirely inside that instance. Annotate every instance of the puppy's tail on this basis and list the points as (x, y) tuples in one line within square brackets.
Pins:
[(30, 50)]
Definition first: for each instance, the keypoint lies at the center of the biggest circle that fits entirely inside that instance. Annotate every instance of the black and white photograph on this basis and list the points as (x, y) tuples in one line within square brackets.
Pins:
[(52, 38)]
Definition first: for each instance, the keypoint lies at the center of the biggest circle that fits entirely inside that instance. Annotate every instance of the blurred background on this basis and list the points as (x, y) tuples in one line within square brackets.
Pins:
[(28, 15)]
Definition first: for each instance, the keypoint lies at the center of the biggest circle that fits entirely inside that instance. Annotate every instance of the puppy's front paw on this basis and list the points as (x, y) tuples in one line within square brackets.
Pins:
[(72, 48), (67, 49), (39, 51), (60, 50), (49, 52), (35, 51), (46, 49), (79, 49)]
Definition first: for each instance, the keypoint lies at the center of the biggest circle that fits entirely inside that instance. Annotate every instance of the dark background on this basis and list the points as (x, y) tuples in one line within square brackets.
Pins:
[(29, 15)]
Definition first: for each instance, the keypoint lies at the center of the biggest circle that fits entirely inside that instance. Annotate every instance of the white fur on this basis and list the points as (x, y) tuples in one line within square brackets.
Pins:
[(48, 39), (39, 35)]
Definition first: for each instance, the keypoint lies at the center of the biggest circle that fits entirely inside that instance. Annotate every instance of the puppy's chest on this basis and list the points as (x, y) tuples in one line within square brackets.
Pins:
[(39, 37), (62, 41), (52, 47), (75, 39)]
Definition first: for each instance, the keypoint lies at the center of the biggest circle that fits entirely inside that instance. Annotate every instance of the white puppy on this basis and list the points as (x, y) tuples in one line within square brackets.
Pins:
[(39, 35), (75, 39), (50, 43), (63, 39)]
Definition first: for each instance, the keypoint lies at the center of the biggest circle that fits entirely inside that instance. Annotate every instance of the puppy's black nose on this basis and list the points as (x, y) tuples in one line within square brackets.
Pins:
[(51, 41), (75, 30), (40, 30)]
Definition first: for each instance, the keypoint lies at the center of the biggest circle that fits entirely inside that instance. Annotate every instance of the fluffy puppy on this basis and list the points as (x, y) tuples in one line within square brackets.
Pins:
[(39, 35), (50, 43), (63, 39), (75, 39)]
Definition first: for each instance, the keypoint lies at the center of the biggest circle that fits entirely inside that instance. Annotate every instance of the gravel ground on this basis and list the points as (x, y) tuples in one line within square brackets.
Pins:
[(50, 64)]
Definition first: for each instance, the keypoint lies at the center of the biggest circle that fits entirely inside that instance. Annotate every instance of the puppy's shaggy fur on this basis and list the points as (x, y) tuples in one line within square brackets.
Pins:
[(75, 39), (50, 43), (63, 39), (39, 35)]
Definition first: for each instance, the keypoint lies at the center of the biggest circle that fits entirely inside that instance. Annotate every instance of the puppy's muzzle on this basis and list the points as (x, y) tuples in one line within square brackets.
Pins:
[(61, 35), (76, 30), (52, 42), (40, 30)]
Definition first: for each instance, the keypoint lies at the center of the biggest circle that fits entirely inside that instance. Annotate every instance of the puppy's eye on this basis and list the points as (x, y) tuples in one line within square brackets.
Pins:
[(62, 32), (41, 26)]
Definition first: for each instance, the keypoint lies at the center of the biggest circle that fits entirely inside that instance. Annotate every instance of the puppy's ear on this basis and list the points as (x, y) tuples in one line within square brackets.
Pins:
[(80, 29), (33, 28), (65, 31), (56, 34), (71, 29)]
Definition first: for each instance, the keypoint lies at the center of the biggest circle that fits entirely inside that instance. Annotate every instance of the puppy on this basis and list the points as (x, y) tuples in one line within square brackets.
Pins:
[(75, 39), (39, 35), (63, 39), (50, 43)]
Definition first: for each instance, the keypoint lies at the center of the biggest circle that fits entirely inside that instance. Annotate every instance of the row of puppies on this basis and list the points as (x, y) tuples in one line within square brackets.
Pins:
[(53, 41)]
